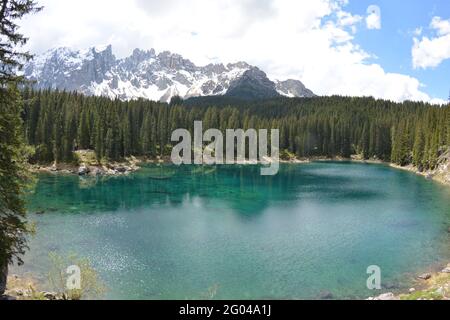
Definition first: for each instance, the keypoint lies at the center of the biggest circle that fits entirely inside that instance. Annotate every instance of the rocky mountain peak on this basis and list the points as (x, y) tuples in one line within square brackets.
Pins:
[(253, 84), (293, 88), (146, 74)]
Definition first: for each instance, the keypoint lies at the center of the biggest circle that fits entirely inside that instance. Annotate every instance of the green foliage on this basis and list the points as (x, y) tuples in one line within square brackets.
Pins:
[(13, 154), (12, 59), (285, 155), (423, 295), (13, 178), (411, 132)]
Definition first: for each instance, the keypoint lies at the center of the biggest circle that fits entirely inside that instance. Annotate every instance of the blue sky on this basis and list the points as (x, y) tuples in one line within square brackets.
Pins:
[(392, 43), (333, 46)]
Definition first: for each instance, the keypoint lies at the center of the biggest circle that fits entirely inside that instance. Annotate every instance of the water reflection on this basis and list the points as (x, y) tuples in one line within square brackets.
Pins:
[(240, 187)]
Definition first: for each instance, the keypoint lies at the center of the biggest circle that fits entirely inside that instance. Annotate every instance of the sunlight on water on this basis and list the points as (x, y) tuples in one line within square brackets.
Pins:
[(169, 232)]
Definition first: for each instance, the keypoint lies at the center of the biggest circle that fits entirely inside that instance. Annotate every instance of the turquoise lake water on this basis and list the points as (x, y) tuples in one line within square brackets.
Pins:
[(175, 233)]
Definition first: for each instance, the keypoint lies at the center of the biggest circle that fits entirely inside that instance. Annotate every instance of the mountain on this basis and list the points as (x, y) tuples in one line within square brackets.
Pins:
[(145, 74), (253, 84), (293, 88)]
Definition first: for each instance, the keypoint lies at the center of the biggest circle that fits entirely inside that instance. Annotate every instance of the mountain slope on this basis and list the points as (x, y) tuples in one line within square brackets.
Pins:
[(253, 84), (145, 74)]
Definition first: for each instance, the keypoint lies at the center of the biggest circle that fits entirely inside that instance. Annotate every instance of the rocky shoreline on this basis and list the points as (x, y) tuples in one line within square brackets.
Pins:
[(26, 288), (87, 165), (441, 174), (432, 286)]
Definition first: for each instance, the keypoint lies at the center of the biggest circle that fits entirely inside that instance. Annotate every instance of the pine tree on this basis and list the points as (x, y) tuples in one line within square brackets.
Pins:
[(11, 58), (84, 139), (447, 114), (12, 169), (99, 139), (146, 138), (365, 142), (112, 139), (418, 149), (69, 138), (57, 139), (127, 135)]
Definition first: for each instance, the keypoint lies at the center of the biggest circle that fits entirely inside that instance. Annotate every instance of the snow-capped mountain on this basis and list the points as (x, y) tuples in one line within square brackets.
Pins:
[(145, 74)]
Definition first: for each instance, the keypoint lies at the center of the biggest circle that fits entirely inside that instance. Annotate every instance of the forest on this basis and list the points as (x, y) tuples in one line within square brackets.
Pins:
[(58, 123)]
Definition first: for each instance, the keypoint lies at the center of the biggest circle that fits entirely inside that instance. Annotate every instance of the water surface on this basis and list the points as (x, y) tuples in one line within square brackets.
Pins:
[(179, 233)]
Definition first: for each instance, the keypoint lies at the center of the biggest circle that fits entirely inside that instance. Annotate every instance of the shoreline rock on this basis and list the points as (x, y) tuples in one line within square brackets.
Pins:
[(90, 170), (433, 286), (89, 166), (384, 297), (26, 289), (425, 276)]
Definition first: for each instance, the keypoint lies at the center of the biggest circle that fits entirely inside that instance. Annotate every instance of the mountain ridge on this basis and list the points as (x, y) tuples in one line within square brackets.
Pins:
[(145, 74)]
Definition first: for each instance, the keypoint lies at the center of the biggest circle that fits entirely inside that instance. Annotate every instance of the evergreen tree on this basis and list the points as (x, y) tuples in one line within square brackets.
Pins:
[(403, 133), (146, 136), (127, 135), (84, 139), (12, 169), (418, 150)]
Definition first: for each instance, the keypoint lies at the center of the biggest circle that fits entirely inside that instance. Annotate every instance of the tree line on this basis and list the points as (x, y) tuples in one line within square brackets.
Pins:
[(58, 123)]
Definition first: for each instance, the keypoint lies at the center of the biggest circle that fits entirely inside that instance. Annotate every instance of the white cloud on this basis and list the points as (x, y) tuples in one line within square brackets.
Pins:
[(442, 26), (373, 19), (310, 40), (418, 32), (347, 19), (431, 52)]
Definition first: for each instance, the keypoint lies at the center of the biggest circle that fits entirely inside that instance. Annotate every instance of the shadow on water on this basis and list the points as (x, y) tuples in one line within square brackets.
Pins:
[(241, 188)]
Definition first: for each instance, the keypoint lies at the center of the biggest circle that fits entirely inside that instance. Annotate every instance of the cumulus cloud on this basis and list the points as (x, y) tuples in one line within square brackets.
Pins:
[(309, 40), (373, 19), (442, 26), (430, 52)]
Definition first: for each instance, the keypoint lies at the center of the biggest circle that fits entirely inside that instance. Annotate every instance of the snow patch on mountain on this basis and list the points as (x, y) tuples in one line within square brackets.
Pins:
[(144, 74)]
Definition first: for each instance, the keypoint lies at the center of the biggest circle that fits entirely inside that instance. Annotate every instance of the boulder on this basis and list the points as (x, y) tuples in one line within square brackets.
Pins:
[(121, 169), (385, 297), (50, 295), (83, 170), (425, 276), (446, 269)]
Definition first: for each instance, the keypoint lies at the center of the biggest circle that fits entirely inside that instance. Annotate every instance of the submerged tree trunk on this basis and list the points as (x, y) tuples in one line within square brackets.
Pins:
[(3, 277)]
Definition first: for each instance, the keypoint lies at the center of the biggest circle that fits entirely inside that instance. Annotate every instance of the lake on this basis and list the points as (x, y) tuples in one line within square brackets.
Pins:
[(170, 232)]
